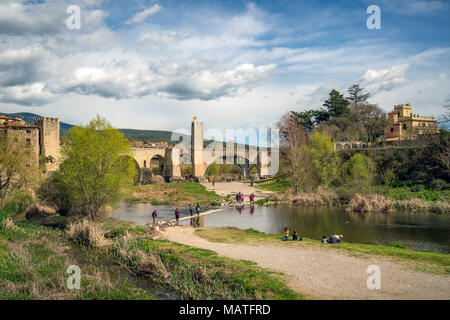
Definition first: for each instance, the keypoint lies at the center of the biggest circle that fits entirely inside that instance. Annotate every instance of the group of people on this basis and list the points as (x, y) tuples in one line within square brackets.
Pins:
[(295, 235), (240, 198), (177, 212), (332, 239)]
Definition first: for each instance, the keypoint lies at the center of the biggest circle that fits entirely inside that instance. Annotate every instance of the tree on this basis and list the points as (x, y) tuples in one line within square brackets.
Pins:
[(97, 166), (309, 118), (325, 159), (336, 104), (369, 119), (17, 169), (357, 95), (359, 171), (295, 153)]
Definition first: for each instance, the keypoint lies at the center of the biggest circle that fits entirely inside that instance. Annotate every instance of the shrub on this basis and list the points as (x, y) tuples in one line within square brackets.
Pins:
[(359, 171), (86, 234), (377, 203), (128, 254)]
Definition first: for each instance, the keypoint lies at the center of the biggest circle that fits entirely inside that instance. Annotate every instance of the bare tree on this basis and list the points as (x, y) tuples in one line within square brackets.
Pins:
[(295, 153)]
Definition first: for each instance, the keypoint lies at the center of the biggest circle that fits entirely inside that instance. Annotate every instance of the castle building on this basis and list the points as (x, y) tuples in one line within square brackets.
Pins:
[(403, 124), (42, 138)]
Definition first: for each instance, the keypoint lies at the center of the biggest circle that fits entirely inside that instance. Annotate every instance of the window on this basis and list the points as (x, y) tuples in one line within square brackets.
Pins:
[(404, 126), (145, 163), (28, 131), (392, 129), (28, 142)]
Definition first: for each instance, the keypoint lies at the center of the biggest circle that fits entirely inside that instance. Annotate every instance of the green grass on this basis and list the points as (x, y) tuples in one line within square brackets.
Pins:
[(426, 261), (34, 260), (279, 185), (405, 193), (202, 274), (181, 194)]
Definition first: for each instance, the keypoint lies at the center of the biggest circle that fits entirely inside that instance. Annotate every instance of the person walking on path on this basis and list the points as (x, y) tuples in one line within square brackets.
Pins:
[(252, 198), (154, 215), (177, 215), (197, 209), (191, 210)]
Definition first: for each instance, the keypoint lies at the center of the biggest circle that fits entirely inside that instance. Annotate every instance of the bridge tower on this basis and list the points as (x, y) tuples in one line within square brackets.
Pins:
[(197, 150)]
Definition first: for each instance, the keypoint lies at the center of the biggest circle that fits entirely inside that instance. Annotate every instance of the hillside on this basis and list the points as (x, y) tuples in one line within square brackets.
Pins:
[(131, 134)]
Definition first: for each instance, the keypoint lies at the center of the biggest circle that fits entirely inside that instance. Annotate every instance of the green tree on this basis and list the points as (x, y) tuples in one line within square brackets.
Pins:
[(336, 104), (324, 156), (213, 169), (96, 166), (356, 94), (359, 171)]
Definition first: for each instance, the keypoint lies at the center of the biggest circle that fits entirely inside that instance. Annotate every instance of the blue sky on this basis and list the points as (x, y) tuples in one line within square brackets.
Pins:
[(234, 64)]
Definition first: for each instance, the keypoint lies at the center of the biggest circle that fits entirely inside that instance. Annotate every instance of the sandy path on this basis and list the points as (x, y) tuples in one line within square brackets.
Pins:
[(329, 274), (226, 188)]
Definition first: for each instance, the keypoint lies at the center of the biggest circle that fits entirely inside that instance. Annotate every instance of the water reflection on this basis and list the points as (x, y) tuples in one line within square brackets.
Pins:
[(415, 231)]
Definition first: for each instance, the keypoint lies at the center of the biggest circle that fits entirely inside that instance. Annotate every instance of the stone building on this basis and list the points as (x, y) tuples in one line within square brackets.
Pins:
[(403, 124), (42, 138)]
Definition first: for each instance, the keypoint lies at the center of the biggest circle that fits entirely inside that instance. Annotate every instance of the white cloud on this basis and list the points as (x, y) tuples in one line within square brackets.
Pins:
[(376, 80), (35, 94), (142, 15)]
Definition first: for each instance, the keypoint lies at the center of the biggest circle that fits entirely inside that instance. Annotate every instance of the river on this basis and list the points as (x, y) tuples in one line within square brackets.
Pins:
[(416, 231)]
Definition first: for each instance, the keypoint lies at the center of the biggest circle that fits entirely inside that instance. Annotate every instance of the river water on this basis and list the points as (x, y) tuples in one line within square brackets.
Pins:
[(416, 231)]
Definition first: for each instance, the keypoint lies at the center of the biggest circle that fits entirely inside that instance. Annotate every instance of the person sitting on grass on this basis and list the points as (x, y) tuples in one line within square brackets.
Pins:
[(295, 236), (286, 234), (324, 239)]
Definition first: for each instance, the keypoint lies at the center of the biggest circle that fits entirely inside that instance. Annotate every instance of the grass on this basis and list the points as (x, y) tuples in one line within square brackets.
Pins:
[(129, 265), (202, 274), (181, 194), (417, 192), (278, 185), (426, 261)]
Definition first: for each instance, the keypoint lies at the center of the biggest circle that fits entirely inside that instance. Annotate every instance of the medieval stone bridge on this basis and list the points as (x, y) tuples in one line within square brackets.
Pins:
[(170, 158)]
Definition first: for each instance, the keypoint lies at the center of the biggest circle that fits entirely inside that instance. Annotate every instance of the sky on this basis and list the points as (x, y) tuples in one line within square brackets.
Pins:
[(147, 64)]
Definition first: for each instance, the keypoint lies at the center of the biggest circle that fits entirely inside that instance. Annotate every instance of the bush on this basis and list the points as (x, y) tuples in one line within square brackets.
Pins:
[(86, 234), (439, 184), (359, 171)]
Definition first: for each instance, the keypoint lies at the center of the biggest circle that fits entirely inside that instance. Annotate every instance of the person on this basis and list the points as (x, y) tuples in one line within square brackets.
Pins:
[(197, 208), (191, 210), (286, 234), (177, 214), (252, 198), (295, 235), (251, 183), (154, 215), (324, 239), (241, 198), (237, 197), (213, 183)]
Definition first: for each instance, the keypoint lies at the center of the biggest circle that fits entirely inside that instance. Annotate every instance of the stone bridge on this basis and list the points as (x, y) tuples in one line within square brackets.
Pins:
[(170, 158)]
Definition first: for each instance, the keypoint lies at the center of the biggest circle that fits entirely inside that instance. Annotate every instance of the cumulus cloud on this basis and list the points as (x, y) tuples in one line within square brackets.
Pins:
[(376, 80), (18, 18), (35, 94), (142, 15)]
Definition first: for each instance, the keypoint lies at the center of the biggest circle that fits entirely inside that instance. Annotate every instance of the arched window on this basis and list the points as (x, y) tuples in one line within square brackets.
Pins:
[(145, 163)]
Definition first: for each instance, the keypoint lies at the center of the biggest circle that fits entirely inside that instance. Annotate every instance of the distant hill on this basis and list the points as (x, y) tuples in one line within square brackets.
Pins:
[(29, 118), (131, 134)]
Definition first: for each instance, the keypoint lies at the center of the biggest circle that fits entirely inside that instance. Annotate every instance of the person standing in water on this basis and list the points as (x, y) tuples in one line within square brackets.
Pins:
[(177, 215)]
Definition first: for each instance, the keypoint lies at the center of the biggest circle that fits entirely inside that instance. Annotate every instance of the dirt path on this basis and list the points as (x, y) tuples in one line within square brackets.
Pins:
[(327, 274), (226, 188)]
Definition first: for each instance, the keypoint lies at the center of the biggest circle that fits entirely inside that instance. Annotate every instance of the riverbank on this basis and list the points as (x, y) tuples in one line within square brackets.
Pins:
[(380, 199), (329, 271), (119, 260), (175, 193)]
